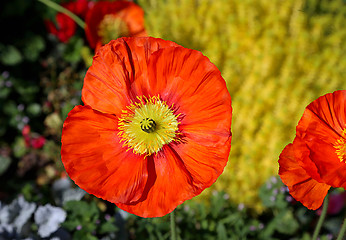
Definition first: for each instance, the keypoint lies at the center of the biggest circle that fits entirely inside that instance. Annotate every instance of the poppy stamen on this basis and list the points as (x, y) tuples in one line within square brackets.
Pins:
[(147, 125), (340, 146)]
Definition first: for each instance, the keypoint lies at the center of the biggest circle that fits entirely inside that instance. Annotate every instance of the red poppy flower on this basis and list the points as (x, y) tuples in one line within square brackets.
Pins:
[(316, 160), (65, 26), (109, 20), (78, 7), (155, 127), (64, 29)]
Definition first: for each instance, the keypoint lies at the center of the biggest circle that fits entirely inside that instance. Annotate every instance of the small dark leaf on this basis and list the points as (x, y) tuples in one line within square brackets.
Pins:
[(5, 162), (10, 55), (108, 227)]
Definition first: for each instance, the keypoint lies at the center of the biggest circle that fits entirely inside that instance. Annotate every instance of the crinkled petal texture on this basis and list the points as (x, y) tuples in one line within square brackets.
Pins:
[(301, 186), (312, 164), (129, 12), (191, 86)]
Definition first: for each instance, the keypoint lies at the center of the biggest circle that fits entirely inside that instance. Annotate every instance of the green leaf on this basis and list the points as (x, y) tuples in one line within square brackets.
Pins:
[(19, 148), (4, 164), (82, 210), (66, 109), (34, 45), (108, 227), (83, 235), (52, 150), (71, 224), (28, 191), (286, 223), (72, 52), (10, 108), (26, 90), (306, 236), (4, 92), (221, 232), (34, 109), (10, 55)]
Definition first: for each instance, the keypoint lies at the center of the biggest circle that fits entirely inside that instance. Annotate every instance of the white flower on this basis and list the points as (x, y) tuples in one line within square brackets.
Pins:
[(48, 219)]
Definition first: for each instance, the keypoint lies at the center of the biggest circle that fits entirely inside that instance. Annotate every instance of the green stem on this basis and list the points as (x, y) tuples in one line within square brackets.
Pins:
[(342, 230), (322, 217), (173, 230), (61, 9)]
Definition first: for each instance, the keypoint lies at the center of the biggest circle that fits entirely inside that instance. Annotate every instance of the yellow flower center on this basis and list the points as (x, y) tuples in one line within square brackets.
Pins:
[(340, 146), (146, 126), (112, 27)]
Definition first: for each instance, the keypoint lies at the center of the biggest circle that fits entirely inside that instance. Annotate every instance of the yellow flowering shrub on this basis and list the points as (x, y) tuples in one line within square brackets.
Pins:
[(276, 57)]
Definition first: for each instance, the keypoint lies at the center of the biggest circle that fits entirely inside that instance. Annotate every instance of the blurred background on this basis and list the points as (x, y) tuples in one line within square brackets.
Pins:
[(275, 56)]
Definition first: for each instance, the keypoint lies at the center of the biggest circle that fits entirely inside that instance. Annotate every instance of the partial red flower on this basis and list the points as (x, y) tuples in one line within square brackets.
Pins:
[(316, 160), (78, 7), (64, 29), (38, 142), (31, 139), (65, 26), (155, 129), (110, 20)]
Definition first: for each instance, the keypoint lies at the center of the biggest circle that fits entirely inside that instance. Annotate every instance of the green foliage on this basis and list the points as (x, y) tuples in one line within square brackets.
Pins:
[(34, 109), (34, 46), (19, 148), (72, 50), (84, 221), (273, 194), (10, 55), (28, 191), (108, 226), (81, 214), (216, 219), (5, 162)]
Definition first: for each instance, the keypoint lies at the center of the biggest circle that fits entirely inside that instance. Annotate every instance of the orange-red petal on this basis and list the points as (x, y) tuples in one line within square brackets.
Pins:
[(300, 184), (187, 80), (318, 130), (177, 72), (109, 83), (95, 159), (181, 172)]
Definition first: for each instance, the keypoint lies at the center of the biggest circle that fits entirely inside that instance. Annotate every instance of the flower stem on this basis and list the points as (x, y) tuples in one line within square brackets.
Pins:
[(322, 217), (173, 230), (61, 9), (342, 230)]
